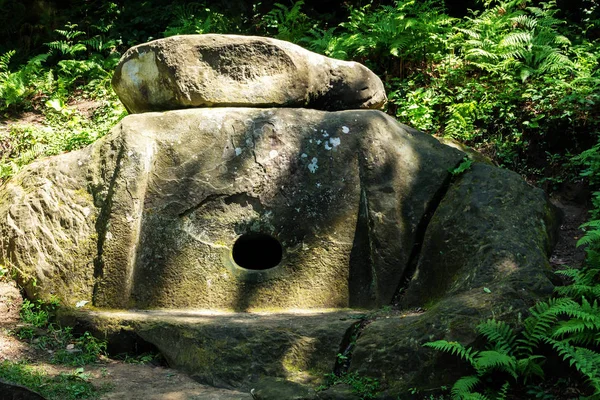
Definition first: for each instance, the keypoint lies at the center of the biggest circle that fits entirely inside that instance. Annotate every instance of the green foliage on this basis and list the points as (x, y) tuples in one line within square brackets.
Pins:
[(66, 348), (462, 167), (570, 324), (64, 129), (65, 386), (199, 19), (516, 41), (287, 23), (363, 386)]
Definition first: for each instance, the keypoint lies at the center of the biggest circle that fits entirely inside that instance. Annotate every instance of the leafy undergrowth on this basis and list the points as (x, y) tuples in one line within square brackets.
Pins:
[(63, 347), (563, 331), (61, 343), (64, 386)]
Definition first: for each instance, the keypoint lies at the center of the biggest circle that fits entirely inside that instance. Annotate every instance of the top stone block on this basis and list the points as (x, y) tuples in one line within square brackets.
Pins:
[(240, 71)]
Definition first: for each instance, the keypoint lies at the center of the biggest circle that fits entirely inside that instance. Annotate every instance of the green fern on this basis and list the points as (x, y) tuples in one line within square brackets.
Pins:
[(464, 387), (493, 360), (499, 334), (454, 348), (514, 41)]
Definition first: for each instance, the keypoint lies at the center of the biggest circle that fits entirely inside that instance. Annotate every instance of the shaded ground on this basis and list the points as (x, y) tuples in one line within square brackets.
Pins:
[(575, 212)]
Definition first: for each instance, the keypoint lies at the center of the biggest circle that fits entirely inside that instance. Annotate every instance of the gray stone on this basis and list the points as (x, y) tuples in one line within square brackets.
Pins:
[(9, 391), (168, 194), (240, 71), (274, 210), (340, 391), (484, 255), (276, 389), (232, 350)]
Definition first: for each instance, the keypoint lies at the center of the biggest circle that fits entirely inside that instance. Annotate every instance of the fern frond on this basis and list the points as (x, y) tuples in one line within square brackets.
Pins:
[(525, 21), (489, 360), (570, 327), (539, 325), (503, 392), (454, 348), (517, 39), (463, 387), (499, 333), (586, 361), (530, 366)]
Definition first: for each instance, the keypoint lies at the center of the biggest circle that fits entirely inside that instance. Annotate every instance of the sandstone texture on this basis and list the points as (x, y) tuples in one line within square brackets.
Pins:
[(234, 350), (276, 222), (240, 71), (168, 194)]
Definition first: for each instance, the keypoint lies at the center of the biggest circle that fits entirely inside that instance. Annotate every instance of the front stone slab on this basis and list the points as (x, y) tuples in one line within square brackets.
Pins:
[(233, 350)]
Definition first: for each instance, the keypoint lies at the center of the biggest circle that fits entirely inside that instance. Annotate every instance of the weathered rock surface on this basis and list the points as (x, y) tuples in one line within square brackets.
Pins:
[(277, 388), (275, 209), (10, 304), (485, 254), (240, 71), (48, 227), (235, 350), (9, 391), (156, 213)]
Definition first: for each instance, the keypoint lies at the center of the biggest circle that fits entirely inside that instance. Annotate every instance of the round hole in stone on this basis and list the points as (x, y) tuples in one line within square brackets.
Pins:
[(257, 251)]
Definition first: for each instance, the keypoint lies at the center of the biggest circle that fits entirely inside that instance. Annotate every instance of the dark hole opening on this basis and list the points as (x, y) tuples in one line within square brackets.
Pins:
[(257, 251)]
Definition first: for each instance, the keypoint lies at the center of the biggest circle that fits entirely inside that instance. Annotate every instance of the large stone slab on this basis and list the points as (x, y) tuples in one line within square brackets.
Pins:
[(240, 71), (153, 217), (232, 350)]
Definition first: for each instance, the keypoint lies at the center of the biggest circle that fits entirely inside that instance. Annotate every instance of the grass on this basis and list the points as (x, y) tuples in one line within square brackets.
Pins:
[(64, 386), (66, 347)]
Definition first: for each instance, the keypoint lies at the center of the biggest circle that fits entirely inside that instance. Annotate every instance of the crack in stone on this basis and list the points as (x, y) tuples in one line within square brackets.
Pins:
[(103, 218), (413, 260), (207, 199), (348, 344)]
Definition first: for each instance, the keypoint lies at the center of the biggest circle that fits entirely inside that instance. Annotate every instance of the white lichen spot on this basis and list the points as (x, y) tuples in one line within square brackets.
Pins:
[(309, 140), (318, 184), (109, 236), (327, 146), (86, 211), (326, 134), (314, 129), (318, 142), (304, 155), (129, 153), (273, 154), (238, 151), (345, 129), (335, 141), (79, 163), (312, 167)]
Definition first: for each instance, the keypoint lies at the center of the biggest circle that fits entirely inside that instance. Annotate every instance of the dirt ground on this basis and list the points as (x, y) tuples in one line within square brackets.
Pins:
[(150, 382)]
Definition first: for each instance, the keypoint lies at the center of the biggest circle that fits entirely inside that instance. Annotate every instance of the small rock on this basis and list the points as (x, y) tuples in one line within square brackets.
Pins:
[(278, 389), (9, 391), (340, 391)]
